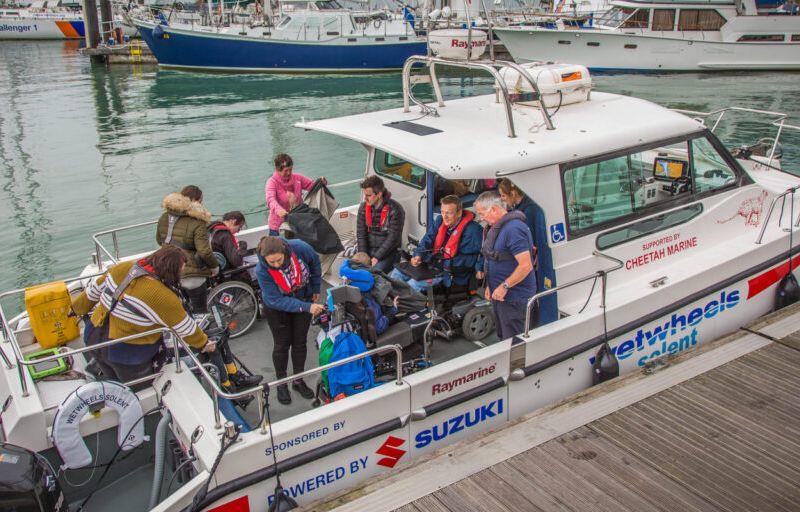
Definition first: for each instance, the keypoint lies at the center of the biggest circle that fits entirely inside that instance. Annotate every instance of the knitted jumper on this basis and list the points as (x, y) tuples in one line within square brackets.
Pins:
[(155, 306)]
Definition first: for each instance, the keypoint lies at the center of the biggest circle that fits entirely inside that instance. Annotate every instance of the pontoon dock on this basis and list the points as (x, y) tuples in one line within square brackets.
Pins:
[(712, 429)]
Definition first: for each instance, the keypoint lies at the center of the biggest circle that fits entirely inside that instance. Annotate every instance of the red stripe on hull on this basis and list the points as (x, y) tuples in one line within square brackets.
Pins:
[(763, 281)]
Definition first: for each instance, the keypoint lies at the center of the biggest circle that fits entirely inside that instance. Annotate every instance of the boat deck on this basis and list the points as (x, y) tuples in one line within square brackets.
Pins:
[(713, 430)]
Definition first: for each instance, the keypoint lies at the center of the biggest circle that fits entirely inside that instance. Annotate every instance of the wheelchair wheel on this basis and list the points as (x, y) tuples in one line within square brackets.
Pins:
[(237, 304), (478, 323)]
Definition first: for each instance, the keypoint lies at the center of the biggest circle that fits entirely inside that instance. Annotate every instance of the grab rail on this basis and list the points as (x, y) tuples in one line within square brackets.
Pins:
[(177, 343), (778, 122), (782, 196), (492, 67), (594, 275), (101, 250)]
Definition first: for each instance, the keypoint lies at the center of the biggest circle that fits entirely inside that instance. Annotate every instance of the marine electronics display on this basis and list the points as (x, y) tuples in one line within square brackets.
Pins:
[(668, 168)]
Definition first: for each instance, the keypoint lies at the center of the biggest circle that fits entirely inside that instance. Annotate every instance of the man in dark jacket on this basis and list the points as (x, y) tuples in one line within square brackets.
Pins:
[(222, 235), (453, 244), (379, 228), (184, 224)]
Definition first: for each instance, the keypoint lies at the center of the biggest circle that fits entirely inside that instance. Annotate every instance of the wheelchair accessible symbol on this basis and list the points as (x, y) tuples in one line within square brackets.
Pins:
[(557, 234)]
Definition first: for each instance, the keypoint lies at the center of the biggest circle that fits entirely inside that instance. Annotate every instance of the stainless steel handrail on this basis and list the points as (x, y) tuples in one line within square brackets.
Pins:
[(594, 275), (491, 67), (100, 248), (778, 122), (782, 195)]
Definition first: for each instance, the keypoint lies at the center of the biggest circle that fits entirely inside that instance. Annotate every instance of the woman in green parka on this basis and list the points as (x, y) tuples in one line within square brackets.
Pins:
[(184, 224)]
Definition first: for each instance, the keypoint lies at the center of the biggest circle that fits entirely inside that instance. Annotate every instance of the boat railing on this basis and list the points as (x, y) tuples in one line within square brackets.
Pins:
[(178, 347), (601, 274), (782, 197), (777, 119), (103, 253), (490, 66)]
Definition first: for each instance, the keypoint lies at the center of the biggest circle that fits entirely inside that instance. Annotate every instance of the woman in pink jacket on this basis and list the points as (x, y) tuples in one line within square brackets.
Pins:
[(284, 191)]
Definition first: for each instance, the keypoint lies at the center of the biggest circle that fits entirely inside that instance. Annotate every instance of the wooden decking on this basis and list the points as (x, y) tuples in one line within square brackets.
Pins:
[(728, 439)]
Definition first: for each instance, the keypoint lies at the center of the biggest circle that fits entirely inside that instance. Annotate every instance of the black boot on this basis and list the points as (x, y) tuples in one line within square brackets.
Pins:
[(198, 299), (242, 381), (283, 394), (299, 385)]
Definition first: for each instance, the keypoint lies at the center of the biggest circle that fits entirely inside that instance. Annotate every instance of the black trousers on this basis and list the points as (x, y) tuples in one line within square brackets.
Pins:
[(219, 358), (124, 372), (290, 334)]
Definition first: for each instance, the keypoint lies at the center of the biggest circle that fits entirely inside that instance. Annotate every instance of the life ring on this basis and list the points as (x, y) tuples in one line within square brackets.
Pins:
[(66, 433)]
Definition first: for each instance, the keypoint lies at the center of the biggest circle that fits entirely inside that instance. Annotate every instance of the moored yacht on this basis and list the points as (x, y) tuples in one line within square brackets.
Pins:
[(325, 38), (681, 35), (662, 240), (40, 21)]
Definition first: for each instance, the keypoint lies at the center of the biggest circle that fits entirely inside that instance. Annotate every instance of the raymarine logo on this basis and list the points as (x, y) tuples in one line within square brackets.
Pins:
[(444, 387), (458, 423), (391, 451)]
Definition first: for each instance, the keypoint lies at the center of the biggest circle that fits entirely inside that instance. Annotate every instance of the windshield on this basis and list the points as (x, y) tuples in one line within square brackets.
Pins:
[(614, 17)]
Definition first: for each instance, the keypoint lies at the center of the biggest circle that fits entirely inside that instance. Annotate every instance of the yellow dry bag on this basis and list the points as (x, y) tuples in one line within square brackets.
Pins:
[(48, 307)]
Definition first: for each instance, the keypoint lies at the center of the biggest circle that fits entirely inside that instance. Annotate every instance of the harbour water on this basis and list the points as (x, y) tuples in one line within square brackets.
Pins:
[(84, 149)]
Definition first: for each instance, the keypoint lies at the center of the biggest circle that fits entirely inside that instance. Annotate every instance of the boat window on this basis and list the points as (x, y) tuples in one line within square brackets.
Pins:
[(795, 37), (663, 19), (762, 37), (710, 169), (285, 21), (328, 4), (613, 17), (610, 189), (647, 226), (640, 19), (397, 169), (700, 19)]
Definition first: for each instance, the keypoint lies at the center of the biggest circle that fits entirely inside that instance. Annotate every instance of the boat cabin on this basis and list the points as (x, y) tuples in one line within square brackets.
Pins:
[(731, 21)]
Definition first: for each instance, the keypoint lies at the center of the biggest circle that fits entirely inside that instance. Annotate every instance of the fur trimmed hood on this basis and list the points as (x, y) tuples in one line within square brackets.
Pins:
[(179, 204)]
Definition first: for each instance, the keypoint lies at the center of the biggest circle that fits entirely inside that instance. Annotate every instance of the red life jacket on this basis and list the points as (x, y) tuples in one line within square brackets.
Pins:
[(450, 249), (280, 278), (146, 266), (384, 215), (216, 227)]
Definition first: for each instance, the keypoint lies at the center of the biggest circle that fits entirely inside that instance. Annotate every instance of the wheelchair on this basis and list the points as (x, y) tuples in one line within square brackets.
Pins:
[(455, 308), (408, 331), (237, 298)]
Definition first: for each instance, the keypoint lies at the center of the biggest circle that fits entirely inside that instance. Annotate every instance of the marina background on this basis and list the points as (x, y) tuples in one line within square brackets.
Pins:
[(86, 148)]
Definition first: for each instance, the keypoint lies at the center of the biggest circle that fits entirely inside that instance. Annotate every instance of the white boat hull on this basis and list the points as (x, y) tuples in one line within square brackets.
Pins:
[(619, 51), (23, 28)]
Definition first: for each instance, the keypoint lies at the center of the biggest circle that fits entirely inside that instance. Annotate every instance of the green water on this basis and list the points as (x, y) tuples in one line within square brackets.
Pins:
[(83, 148)]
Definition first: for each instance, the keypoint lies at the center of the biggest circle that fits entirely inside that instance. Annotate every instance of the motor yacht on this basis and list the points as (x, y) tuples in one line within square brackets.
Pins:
[(669, 36)]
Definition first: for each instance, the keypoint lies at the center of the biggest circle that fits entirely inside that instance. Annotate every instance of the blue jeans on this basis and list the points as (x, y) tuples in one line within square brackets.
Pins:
[(420, 286)]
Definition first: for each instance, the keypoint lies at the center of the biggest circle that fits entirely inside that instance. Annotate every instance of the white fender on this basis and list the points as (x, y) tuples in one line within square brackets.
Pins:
[(66, 426)]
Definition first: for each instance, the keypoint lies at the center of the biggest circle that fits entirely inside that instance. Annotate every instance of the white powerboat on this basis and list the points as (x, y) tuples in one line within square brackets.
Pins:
[(669, 36), (662, 240), (40, 21)]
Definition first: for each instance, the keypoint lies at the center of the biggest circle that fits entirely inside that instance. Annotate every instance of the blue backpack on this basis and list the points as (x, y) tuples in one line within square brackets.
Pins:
[(355, 376)]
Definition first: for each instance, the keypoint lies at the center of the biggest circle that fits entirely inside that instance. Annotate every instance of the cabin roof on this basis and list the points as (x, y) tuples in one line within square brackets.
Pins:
[(473, 141)]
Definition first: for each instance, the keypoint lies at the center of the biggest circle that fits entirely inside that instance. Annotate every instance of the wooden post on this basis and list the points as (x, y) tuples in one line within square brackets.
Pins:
[(106, 20), (91, 27)]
